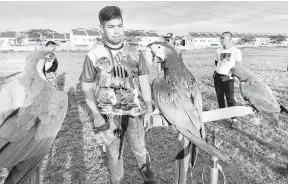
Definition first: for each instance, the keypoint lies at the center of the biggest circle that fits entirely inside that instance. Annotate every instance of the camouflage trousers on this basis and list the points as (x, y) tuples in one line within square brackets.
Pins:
[(135, 135)]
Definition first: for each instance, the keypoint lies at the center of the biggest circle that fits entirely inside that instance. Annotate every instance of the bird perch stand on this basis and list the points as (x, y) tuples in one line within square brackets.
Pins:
[(209, 116), (215, 167)]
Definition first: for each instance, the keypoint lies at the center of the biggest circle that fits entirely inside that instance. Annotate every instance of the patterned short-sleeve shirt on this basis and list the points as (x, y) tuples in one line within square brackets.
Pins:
[(116, 72)]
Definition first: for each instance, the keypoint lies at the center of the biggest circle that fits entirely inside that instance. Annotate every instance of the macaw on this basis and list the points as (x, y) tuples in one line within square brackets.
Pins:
[(31, 114), (179, 101), (259, 96)]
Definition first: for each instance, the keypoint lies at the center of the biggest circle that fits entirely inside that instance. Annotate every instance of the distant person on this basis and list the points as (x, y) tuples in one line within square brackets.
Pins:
[(227, 57), (124, 97), (50, 46)]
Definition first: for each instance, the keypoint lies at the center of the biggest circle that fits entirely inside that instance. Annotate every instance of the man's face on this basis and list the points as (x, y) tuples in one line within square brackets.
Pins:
[(113, 31), (51, 47), (226, 39)]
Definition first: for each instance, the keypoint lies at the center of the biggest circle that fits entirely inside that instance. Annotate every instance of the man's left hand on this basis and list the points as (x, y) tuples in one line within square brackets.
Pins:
[(148, 123)]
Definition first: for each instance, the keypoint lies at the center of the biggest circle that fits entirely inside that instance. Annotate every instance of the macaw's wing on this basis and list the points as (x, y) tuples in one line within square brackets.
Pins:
[(32, 130), (260, 96), (51, 115), (177, 106), (12, 97)]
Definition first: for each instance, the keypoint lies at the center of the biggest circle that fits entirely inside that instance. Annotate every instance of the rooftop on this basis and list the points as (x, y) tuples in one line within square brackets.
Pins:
[(78, 32), (59, 36), (150, 34), (196, 35), (142, 34), (8, 34), (67, 35), (92, 32)]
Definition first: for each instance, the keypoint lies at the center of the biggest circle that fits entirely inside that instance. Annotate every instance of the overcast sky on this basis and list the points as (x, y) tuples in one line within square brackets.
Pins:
[(166, 16)]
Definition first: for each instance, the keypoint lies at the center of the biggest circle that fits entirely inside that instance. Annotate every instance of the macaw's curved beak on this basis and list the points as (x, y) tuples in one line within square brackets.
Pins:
[(230, 73), (152, 57)]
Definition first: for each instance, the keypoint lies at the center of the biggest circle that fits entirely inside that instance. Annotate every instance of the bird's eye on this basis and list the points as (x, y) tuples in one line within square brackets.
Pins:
[(159, 47)]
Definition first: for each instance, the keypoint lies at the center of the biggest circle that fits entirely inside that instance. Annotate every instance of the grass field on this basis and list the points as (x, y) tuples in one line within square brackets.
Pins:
[(262, 152)]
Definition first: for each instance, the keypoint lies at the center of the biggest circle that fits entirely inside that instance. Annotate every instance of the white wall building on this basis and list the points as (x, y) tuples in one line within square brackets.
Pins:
[(261, 39), (146, 37), (84, 37), (201, 40), (206, 39), (192, 40), (153, 37), (8, 38), (63, 39)]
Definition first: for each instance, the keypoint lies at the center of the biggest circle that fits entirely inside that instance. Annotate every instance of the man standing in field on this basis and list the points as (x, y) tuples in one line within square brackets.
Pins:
[(50, 46), (227, 57), (123, 97)]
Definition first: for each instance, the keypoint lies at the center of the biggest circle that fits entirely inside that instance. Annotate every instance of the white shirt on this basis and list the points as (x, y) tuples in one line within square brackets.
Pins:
[(227, 59)]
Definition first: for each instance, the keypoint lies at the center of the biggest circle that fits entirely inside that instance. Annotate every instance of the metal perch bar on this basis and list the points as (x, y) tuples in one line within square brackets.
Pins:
[(213, 115)]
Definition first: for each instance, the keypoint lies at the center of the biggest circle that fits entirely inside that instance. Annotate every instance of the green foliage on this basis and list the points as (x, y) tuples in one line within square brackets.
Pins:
[(40, 34), (246, 40), (277, 39)]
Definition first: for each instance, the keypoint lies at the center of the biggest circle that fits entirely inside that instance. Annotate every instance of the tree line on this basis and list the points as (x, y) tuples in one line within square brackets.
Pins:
[(133, 37)]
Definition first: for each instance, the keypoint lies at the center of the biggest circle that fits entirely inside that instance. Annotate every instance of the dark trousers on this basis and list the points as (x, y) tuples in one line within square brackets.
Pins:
[(224, 86)]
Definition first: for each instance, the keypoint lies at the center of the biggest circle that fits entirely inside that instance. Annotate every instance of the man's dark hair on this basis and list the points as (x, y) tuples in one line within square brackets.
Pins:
[(50, 43), (108, 13), (229, 33)]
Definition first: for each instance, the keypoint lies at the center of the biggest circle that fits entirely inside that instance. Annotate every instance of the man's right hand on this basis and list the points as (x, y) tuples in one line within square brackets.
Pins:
[(103, 132), (98, 120)]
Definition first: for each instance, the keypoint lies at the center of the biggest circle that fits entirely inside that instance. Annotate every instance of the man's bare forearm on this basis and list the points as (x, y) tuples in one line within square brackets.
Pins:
[(88, 91), (146, 90)]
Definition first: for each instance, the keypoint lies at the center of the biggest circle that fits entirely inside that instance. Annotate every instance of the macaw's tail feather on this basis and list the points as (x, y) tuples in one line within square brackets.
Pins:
[(182, 162), (283, 109), (21, 173), (202, 144), (184, 152), (3, 145), (194, 155)]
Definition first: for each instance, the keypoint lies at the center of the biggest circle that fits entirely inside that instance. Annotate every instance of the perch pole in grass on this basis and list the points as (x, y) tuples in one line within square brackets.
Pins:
[(208, 116), (214, 165)]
